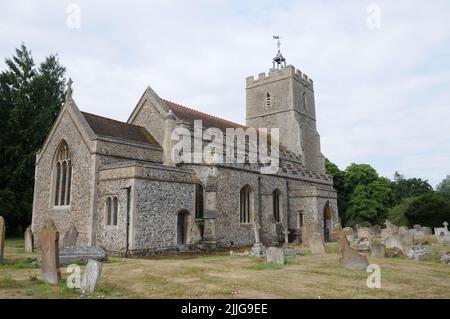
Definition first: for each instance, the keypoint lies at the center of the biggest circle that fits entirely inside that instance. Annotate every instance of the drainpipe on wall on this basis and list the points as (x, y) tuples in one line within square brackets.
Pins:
[(127, 222)]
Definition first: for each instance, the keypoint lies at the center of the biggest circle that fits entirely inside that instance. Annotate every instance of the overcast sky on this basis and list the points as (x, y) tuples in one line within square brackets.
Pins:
[(382, 89)]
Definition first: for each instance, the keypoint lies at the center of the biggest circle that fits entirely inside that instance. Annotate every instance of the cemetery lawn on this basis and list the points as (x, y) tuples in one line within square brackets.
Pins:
[(221, 276)]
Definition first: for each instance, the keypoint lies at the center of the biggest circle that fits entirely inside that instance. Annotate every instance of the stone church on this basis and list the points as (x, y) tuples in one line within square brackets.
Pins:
[(116, 183)]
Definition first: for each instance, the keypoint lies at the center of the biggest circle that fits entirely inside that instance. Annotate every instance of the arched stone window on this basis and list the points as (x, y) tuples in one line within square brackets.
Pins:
[(246, 205), (276, 201), (112, 209), (63, 175), (199, 201)]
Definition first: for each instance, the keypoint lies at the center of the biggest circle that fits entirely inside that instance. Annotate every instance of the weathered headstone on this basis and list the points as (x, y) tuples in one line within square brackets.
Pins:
[(442, 234), (363, 232), (418, 253), (349, 233), (393, 229), (2, 238), (405, 236), (351, 258), (393, 242), (28, 240), (48, 239), (417, 227), (315, 244), (363, 244), (275, 255), (377, 250), (375, 230), (70, 237), (80, 254), (91, 276)]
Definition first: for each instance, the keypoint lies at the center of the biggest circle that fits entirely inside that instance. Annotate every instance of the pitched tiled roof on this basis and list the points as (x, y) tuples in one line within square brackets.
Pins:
[(116, 129), (189, 115)]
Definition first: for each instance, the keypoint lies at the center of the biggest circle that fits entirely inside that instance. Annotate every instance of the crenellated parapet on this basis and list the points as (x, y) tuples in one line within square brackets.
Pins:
[(275, 74)]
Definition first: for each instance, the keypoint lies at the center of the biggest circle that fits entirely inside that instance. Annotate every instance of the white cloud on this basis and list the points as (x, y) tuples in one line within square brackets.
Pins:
[(380, 97)]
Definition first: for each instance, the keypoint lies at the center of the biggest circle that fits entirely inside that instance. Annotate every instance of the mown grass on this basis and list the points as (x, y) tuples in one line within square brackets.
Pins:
[(222, 276)]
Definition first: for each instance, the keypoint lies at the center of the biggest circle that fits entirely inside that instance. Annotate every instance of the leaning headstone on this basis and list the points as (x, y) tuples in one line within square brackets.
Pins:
[(418, 253), (28, 240), (91, 276), (315, 244), (2, 238), (351, 258), (80, 254), (275, 255), (48, 239), (70, 237), (377, 250), (393, 242)]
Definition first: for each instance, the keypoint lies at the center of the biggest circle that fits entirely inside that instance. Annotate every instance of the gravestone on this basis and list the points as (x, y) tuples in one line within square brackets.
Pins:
[(375, 230), (91, 276), (418, 253), (70, 237), (405, 236), (363, 232), (80, 254), (351, 258), (2, 238), (393, 242), (315, 244), (349, 233), (363, 244), (442, 234), (417, 227), (48, 239), (28, 240), (275, 255), (377, 250), (393, 229)]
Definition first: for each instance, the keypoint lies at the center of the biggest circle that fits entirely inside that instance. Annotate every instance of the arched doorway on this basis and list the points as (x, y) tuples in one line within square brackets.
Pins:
[(327, 218), (182, 228)]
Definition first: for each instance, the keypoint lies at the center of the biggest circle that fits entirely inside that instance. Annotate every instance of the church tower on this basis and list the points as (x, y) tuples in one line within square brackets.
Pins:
[(284, 99)]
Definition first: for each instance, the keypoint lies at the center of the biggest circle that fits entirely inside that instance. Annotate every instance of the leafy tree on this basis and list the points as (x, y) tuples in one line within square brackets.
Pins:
[(428, 209), (444, 187), (30, 99), (409, 187), (359, 174), (370, 203), (396, 214)]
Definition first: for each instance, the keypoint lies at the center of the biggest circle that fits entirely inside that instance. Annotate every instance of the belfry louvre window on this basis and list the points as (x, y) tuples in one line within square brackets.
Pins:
[(112, 207), (268, 101), (276, 196), (63, 175), (246, 204)]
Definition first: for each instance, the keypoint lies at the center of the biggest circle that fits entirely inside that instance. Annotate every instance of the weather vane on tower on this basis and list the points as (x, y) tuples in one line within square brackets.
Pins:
[(278, 61)]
